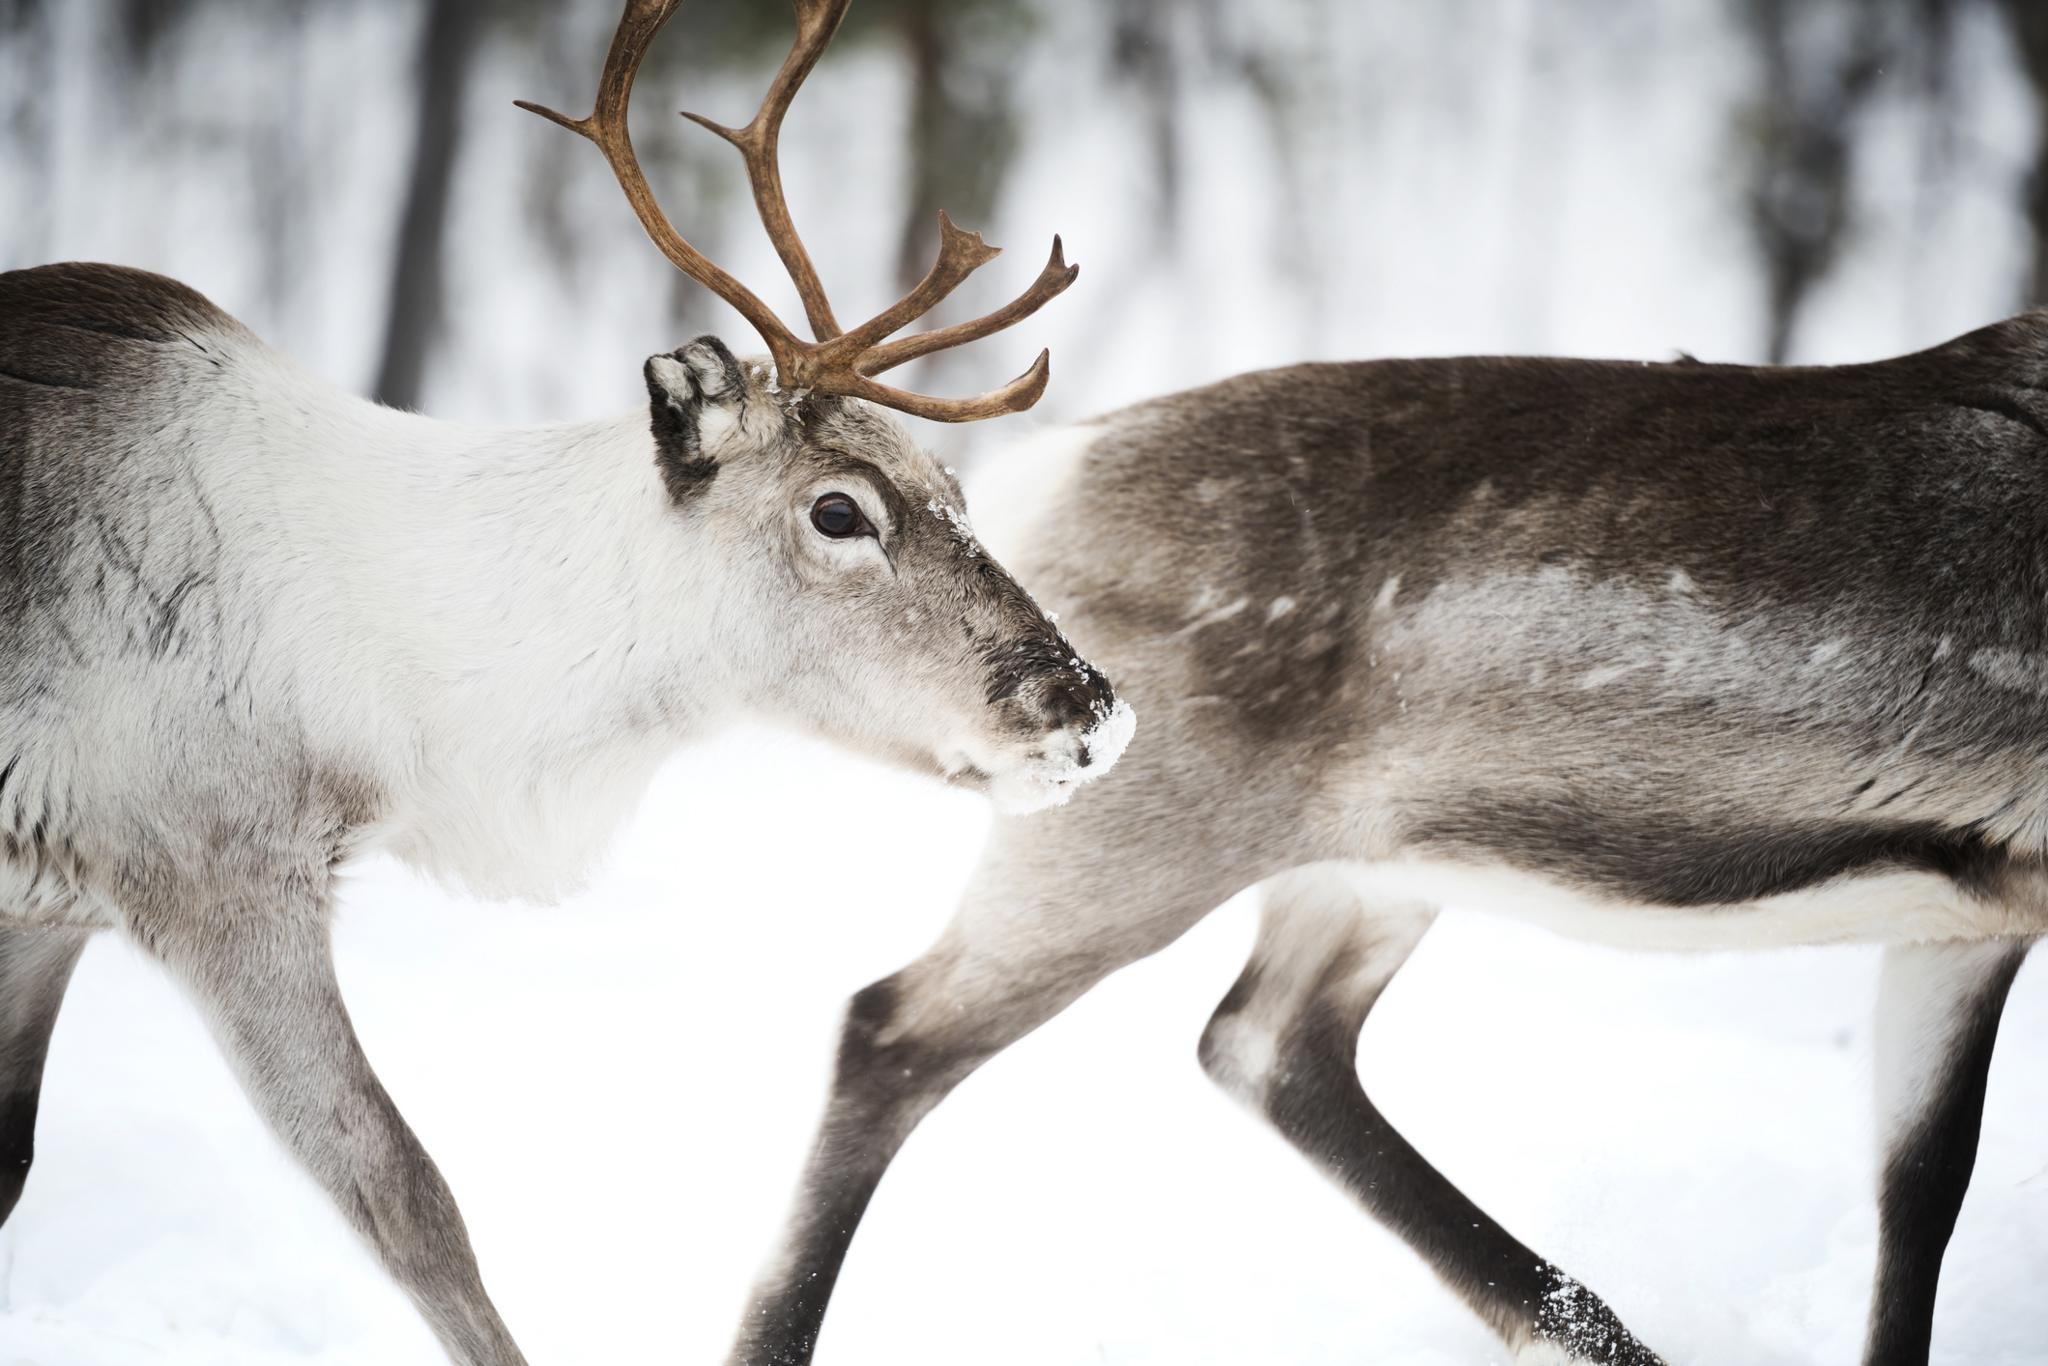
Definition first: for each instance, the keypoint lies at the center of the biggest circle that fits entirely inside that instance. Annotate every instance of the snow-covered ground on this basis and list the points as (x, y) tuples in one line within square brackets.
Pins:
[(620, 1090)]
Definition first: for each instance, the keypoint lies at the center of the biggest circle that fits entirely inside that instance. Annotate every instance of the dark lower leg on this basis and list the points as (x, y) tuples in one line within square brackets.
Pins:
[(1284, 1041), (35, 967), (879, 1093), (1048, 915), (1928, 1164), (1315, 1099), (884, 1083)]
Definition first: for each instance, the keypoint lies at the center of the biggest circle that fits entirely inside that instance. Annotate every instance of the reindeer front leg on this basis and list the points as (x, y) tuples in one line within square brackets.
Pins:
[(35, 967), (1040, 925), (262, 972)]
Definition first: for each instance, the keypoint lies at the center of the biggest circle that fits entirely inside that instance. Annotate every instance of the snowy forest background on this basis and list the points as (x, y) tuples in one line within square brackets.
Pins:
[(1244, 184), (620, 1090)]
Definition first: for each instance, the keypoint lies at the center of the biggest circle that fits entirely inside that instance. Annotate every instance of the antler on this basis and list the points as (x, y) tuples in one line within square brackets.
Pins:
[(835, 362)]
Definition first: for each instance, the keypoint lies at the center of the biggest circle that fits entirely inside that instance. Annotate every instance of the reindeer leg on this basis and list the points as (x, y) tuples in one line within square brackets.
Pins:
[(1284, 1042), (1038, 927), (1937, 1018), (35, 967), (263, 975)]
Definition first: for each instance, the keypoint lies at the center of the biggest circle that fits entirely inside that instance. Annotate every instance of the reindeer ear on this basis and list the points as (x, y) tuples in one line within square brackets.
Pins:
[(693, 396)]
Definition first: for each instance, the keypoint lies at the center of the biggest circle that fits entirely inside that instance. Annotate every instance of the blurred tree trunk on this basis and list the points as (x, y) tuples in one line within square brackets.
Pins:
[(925, 46), (279, 154), (146, 24), (1142, 52), (1800, 131), (413, 320), (1280, 72), (2030, 32), (963, 129), (29, 134)]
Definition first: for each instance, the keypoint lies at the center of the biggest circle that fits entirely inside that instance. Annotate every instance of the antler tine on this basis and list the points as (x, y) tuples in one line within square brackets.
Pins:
[(961, 253), (1050, 284), (606, 127), (816, 22), (1014, 397)]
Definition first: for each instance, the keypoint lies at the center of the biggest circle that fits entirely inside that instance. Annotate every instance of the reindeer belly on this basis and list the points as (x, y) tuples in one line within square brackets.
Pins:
[(1630, 760), (1872, 907), (1727, 858)]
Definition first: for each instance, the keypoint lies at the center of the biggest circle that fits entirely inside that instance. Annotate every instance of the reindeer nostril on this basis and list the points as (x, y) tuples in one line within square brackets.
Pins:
[(1084, 758)]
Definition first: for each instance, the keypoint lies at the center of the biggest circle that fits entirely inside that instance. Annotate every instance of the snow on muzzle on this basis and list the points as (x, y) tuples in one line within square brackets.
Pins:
[(1062, 723), (1075, 754)]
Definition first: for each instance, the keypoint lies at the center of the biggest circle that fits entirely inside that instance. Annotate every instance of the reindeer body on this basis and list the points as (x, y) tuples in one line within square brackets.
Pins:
[(1669, 656), (242, 601), (1702, 646), (251, 627)]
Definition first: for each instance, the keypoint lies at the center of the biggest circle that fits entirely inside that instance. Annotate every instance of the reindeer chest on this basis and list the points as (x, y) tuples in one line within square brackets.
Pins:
[(523, 816)]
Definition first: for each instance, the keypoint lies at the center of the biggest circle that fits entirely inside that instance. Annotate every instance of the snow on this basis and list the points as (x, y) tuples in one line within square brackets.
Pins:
[(1111, 735), (620, 1091)]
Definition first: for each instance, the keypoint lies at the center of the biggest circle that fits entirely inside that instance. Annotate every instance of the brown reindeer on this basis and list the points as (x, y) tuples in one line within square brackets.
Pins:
[(1668, 656)]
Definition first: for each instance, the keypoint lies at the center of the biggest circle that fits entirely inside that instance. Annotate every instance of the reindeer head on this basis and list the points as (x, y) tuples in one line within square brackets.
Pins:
[(856, 594), (865, 603)]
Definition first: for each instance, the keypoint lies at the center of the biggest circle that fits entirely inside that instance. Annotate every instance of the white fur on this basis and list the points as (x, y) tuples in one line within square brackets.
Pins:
[(1926, 994), (1016, 485), (474, 607), (496, 634), (1052, 777), (478, 626)]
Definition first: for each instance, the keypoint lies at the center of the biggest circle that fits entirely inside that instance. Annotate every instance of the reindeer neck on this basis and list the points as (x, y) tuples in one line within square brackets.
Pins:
[(546, 601), (550, 562)]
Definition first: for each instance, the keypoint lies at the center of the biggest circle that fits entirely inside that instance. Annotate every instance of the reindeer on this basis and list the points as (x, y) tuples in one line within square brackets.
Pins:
[(252, 627), (1669, 656)]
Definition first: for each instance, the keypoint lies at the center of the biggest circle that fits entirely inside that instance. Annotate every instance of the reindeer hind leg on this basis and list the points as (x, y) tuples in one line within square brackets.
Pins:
[(1284, 1042), (35, 968), (1938, 1008)]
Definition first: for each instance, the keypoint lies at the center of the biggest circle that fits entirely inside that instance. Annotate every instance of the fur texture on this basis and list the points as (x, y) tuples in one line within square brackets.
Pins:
[(1678, 656), (250, 627), (242, 610)]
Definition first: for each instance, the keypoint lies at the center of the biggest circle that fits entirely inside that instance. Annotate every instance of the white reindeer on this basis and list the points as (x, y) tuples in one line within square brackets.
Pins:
[(251, 627)]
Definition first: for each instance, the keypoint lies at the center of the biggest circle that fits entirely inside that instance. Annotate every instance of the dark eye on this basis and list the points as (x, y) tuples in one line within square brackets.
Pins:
[(838, 516)]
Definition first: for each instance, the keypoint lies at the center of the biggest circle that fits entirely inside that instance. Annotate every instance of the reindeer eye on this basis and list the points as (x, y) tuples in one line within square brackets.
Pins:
[(838, 516)]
